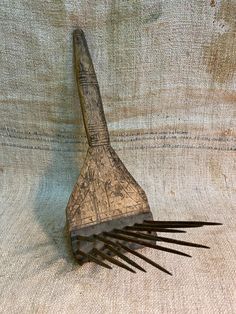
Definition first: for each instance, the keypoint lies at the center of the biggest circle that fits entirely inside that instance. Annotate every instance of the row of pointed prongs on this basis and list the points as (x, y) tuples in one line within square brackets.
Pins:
[(132, 234)]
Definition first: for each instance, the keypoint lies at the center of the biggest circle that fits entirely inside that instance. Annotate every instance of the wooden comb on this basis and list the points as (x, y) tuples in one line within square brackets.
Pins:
[(108, 212)]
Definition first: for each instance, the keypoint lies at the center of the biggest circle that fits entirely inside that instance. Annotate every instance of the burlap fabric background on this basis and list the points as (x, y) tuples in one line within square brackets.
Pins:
[(167, 75)]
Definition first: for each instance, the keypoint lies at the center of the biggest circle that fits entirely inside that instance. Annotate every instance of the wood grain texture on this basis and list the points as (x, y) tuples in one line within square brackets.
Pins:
[(90, 98), (105, 190)]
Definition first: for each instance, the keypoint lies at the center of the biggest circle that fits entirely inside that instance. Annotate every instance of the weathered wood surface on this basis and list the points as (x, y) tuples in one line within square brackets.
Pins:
[(90, 98), (105, 190)]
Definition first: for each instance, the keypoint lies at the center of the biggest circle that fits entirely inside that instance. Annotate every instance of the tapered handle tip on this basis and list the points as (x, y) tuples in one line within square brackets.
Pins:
[(78, 32)]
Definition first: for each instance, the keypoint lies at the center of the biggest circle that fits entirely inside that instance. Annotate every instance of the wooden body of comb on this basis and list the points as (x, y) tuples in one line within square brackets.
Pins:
[(108, 212), (105, 195)]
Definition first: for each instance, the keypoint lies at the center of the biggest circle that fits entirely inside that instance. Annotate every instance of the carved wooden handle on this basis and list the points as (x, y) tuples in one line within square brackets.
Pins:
[(89, 93)]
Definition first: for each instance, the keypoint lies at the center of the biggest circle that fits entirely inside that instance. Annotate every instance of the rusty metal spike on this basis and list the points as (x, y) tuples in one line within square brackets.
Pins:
[(93, 259), (154, 229), (146, 259), (118, 253), (154, 226), (180, 242), (144, 243), (182, 223), (161, 239), (125, 258), (112, 260)]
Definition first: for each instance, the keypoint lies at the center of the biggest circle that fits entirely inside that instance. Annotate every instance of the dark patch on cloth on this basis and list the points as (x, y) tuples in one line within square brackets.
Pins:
[(213, 3), (220, 55)]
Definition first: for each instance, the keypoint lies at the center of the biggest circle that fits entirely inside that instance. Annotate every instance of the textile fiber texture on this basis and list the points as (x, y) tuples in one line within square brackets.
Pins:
[(166, 71)]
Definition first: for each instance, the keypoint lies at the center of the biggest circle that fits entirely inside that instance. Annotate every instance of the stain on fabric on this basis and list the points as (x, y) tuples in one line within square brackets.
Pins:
[(227, 132), (153, 16), (209, 95), (218, 176), (213, 3), (204, 97), (220, 55), (215, 169)]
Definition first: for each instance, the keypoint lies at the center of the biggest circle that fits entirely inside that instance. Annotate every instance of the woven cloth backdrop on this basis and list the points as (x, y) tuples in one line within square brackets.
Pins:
[(166, 70)]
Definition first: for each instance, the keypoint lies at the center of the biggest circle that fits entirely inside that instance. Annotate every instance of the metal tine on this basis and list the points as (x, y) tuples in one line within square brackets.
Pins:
[(113, 260), (174, 223), (146, 259), (145, 243), (125, 258), (161, 239), (154, 226), (154, 229), (109, 244), (93, 259)]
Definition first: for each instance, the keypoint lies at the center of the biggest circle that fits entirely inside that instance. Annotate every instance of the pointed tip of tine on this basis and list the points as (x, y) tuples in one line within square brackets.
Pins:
[(204, 246), (129, 269), (143, 257), (179, 231), (141, 268), (201, 246), (183, 254), (122, 256), (96, 261), (114, 261), (168, 272), (196, 223)]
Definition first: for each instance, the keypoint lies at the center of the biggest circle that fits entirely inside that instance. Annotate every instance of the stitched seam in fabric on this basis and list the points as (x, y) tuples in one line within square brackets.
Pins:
[(159, 136), (127, 148), (27, 135)]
